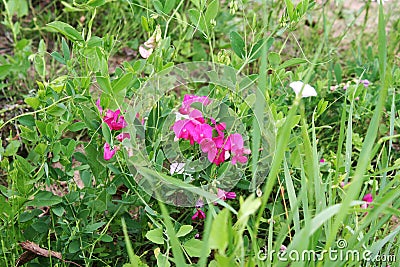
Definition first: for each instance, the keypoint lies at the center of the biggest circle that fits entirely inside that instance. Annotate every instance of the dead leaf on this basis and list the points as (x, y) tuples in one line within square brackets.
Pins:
[(33, 251)]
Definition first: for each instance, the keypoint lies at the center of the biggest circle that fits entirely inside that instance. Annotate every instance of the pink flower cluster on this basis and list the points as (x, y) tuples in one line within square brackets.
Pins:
[(116, 122), (221, 194), (195, 129)]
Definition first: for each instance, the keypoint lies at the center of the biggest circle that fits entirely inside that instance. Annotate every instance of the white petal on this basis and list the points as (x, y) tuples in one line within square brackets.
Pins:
[(179, 116), (176, 168), (144, 52), (307, 91)]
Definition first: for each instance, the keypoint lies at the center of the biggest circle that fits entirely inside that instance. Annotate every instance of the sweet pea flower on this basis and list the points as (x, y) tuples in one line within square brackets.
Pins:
[(368, 199), (365, 82), (235, 143), (114, 120), (208, 146), (199, 203), (145, 53), (98, 106), (185, 129), (188, 100), (108, 153), (199, 214), (122, 136), (307, 91), (224, 195)]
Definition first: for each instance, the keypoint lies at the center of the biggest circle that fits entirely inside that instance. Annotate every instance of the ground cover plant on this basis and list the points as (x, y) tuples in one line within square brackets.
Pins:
[(199, 133)]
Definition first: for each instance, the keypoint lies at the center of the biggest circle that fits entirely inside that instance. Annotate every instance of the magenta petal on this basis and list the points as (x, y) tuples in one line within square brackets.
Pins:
[(242, 159), (122, 136), (199, 214), (221, 194), (108, 153), (230, 195), (211, 155), (236, 141), (368, 198), (98, 105)]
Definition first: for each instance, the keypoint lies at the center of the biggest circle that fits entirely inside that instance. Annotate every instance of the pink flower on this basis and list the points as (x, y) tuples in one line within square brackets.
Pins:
[(199, 214), (365, 83), (108, 153), (98, 106), (368, 199), (199, 203), (208, 146), (188, 100), (114, 120), (223, 195), (122, 136), (235, 145), (185, 129), (322, 160), (283, 248), (202, 131)]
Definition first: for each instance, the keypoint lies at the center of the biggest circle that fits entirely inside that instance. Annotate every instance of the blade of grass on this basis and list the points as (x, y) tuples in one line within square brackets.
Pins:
[(364, 158)]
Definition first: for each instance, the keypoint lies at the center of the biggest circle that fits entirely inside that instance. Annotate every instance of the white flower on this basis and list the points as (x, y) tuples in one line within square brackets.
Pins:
[(145, 53), (307, 91), (176, 168)]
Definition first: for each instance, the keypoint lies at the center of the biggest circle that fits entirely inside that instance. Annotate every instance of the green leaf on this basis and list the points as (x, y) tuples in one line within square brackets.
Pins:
[(247, 208), (96, 3), (155, 236), (57, 56), (77, 126), (57, 110), (34, 102), (65, 49), (41, 149), (169, 5), (66, 29), (74, 246), (219, 234), (158, 6), (123, 83), (93, 227), (104, 83), (237, 44), (198, 20), (184, 230), (291, 62), (106, 238), (194, 247), (338, 72), (27, 120), (212, 10), (4, 70), (44, 199), (145, 24), (12, 148), (107, 133), (290, 9), (274, 59)]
